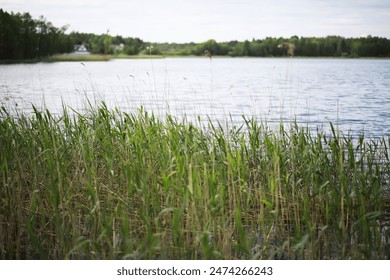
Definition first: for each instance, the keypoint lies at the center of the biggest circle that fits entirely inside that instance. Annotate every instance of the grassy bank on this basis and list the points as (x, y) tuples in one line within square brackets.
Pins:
[(98, 57), (77, 57), (60, 58), (80, 58), (112, 185)]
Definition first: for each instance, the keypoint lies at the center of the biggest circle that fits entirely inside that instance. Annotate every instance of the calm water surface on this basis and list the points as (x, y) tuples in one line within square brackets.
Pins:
[(352, 93)]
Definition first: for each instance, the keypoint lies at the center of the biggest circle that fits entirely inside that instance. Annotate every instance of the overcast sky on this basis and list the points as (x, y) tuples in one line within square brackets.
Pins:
[(200, 20)]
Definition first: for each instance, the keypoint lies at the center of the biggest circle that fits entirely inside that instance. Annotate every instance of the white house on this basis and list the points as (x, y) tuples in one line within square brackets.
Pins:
[(80, 49)]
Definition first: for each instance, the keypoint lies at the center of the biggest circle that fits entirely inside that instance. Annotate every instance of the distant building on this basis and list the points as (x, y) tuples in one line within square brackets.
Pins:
[(80, 49)]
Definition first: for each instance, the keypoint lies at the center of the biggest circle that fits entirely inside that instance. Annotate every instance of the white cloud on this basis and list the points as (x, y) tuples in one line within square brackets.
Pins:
[(199, 20)]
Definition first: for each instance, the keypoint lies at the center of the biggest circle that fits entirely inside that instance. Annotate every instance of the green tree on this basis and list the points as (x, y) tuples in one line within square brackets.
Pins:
[(211, 45)]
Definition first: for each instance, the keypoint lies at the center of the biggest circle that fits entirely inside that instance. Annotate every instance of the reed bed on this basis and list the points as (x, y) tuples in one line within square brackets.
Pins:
[(106, 184), (76, 57)]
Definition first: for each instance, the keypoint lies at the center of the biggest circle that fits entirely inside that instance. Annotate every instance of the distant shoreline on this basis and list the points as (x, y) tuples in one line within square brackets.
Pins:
[(99, 57)]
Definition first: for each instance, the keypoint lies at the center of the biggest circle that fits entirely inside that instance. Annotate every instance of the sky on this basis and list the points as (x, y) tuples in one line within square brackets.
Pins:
[(200, 20)]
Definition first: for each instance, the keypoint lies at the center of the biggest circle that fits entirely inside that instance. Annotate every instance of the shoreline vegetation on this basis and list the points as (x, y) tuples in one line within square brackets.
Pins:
[(25, 39), (108, 184), (100, 57)]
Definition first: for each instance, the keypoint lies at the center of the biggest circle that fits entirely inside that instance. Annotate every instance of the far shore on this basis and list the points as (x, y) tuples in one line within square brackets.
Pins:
[(101, 57)]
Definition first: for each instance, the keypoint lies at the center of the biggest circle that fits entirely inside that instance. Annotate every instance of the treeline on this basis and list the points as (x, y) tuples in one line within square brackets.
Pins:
[(330, 46), (22, 37), (107, 44)]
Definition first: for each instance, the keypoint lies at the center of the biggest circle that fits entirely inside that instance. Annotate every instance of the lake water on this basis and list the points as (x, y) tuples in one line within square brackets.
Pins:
[(352, 93)]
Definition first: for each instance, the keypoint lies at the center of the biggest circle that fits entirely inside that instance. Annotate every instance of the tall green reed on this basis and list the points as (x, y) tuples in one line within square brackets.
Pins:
[(107, 184)]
